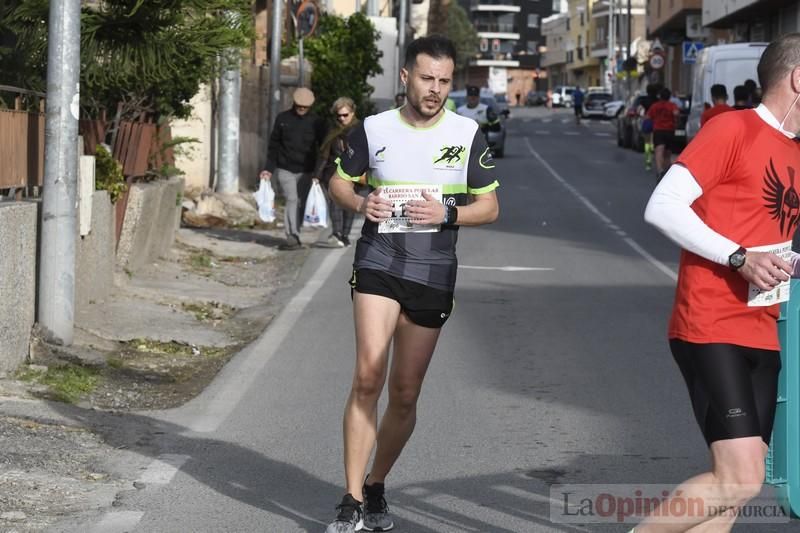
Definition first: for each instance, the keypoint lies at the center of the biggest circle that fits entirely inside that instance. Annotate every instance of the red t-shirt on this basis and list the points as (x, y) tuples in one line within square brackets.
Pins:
[(663, 114), (746, 169), (712, 112)]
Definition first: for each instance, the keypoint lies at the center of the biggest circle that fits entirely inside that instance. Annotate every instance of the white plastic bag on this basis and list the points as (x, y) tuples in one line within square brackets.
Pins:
[(316, 214), (265, 198)]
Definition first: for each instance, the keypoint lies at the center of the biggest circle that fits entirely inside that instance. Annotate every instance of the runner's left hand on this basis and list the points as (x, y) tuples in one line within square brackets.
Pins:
[(426, 211)]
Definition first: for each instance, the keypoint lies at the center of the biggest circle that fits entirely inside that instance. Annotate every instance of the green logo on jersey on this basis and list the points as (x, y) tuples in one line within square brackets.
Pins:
[(380, 155), (450, 157)]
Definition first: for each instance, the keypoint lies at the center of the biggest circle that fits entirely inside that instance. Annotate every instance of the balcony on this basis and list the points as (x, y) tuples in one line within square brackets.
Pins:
[(497, 30), (495, 5), (600, 49), (601, 8), (554, 57)]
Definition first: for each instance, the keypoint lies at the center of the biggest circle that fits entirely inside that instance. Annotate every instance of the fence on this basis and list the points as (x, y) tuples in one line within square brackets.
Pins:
[(21, 140)]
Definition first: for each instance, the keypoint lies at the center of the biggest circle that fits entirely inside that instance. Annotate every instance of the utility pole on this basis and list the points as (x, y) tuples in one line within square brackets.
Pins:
[(401, 37), (59, 198), (612, 46), (630, 25), (275, 62), (230, 89)]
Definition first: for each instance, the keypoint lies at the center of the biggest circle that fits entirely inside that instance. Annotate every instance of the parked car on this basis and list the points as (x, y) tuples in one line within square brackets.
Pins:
[(536, 98), (562, 96), (728, 64), (629, 132), (613, 108), (684, 104), (495, 139), (594, 104)]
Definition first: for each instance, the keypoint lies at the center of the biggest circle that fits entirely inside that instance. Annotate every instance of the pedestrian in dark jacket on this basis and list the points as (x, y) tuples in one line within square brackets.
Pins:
[(291, 157), (335, 143)]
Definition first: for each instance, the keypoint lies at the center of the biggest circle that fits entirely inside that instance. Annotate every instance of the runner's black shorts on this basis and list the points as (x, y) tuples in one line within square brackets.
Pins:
[(578, 110), (664, 137), (733, 388), (423, 305)]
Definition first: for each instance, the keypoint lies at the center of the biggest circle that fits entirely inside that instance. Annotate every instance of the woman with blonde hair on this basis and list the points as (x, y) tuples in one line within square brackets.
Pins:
[(344, 111)]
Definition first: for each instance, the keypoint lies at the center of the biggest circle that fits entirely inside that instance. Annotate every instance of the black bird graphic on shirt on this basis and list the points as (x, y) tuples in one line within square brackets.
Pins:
[(783, 203)]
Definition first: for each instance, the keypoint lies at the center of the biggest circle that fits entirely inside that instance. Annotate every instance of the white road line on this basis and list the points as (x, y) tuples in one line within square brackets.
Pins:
[(547, 120), (506, 268), (118, 522), (570, 133), (607, 221), (162, 470), (542, 132), (210, 409), (602, 134)]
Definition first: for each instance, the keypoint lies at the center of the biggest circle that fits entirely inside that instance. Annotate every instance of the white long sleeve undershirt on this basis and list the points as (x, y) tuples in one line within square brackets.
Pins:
[(669, 210)]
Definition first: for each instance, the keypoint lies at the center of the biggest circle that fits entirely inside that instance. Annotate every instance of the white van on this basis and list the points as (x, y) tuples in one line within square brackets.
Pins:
[(728, 64)]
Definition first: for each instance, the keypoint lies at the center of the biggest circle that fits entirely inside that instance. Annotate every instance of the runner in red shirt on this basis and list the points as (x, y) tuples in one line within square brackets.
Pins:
[(730, 202), (719, 97), (664, 115)]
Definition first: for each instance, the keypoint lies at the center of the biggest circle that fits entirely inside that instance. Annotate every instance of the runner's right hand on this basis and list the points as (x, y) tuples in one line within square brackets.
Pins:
[(265, 175), (765, 270), (375, 208)]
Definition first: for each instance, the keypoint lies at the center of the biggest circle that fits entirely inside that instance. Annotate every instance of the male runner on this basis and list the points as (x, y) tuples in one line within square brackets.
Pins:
[(402, 284), (719, 100), (664, 114), (731, 193)]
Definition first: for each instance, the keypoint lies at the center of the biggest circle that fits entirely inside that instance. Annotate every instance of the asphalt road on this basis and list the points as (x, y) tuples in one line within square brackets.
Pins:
[(554, 369)]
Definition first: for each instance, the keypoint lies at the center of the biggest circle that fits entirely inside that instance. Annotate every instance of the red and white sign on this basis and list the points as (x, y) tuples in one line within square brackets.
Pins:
[(657, 61)]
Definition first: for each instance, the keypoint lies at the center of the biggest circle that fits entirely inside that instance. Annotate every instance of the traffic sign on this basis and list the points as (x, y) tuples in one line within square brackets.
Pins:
[(306, 18), (656, 45), (690, 51), (657, 61)]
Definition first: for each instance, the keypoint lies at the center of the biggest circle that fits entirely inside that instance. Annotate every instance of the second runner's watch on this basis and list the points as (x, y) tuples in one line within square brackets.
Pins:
[(736, 259), (450, 215)]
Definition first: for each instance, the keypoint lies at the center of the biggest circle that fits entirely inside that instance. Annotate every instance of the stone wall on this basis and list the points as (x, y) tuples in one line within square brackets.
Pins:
[(151, 220), (18, 229)]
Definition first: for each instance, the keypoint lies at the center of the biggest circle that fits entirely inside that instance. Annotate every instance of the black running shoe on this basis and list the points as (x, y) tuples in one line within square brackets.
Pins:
[(376, 511), (350, 518)]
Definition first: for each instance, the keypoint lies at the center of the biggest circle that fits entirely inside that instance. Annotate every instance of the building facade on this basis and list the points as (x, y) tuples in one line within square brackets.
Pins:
[(556, 31), (511, 44), (582, 68), (752, 20)]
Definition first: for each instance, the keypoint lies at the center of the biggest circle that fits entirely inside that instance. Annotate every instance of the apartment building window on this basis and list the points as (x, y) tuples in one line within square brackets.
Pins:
[(533, 48), (556, 6), (567, 24), (533, 20), (582, 16)]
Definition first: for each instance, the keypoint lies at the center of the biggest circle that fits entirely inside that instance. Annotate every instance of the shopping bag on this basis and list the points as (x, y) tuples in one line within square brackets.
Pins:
[(316, 214), (265, 198)]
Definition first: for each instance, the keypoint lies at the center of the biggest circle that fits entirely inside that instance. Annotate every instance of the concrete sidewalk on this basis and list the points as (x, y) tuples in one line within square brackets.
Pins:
[(155, 342)]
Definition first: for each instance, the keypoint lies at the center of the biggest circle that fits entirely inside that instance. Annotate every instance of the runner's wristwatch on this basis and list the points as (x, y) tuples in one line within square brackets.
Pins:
[(736, 259), (450, 215)]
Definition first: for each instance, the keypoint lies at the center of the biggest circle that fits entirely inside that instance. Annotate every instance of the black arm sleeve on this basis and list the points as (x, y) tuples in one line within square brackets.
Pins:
[(354, 161), (481, 173)]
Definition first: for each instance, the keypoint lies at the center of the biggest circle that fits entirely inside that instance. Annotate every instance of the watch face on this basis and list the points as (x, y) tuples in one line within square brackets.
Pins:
[(737, 259)]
